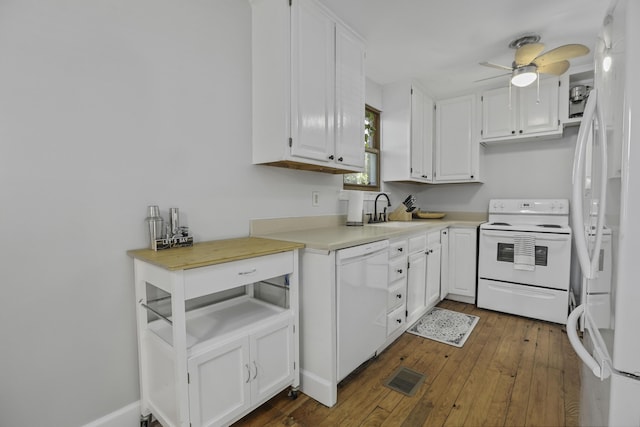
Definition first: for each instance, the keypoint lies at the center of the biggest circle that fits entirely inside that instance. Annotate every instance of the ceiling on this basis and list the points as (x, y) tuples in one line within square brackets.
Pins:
[(440, 43)]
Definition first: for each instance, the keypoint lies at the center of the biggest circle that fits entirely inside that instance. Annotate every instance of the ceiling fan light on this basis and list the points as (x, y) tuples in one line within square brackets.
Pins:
[(606, 63), (524, 76)]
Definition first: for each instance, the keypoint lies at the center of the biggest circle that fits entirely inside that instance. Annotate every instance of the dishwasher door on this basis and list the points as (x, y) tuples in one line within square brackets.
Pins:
[(362, 280)]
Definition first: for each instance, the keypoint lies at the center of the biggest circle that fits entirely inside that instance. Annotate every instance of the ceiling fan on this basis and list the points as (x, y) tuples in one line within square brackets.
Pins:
[(529, 62)]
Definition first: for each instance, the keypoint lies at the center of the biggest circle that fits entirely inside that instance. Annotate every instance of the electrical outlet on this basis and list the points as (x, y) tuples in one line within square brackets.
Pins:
[(315, 198)]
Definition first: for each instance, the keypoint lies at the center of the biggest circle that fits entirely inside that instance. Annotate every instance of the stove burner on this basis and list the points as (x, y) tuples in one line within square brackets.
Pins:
[(550, 225), (500, 223)]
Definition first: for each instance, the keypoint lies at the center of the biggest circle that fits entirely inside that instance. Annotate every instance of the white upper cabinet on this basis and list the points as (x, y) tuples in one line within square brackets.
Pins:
[(421, 136), (350, 98), (407, 133), (521, 112), (312, 83), (457, 149), (308, 88)]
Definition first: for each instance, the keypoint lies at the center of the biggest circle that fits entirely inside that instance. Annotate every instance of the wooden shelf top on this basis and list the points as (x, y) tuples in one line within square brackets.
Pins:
[(213, 252)]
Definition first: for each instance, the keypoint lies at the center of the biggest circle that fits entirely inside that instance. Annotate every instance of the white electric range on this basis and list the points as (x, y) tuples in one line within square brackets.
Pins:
[(525, 258)]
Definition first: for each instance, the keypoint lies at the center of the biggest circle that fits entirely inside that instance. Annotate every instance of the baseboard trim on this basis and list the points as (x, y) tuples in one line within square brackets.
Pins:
[(127, 416)]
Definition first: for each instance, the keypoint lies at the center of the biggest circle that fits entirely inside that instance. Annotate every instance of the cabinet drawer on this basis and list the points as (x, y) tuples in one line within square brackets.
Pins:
[(397, 269), (395, 320), (397, 249), (417, 243), (397, 295), (205, 280)]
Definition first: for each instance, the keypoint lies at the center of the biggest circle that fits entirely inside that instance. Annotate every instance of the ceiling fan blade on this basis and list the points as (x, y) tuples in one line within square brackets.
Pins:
[(555, 68), (491, 78), (527, 53), (561, 53), (498, 66)]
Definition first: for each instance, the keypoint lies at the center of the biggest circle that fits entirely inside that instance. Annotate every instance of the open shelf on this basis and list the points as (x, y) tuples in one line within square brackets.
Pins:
[(215, 321)]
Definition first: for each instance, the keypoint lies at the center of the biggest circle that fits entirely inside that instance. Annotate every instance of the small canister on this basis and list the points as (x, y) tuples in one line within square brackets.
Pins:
[(155, 224)]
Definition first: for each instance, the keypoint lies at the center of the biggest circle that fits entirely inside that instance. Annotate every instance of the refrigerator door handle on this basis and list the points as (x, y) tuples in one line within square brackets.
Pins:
[(600, 368), (592, 114)]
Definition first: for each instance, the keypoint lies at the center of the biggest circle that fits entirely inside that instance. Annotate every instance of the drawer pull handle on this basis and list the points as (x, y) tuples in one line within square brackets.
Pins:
[(400, 249), (255, 366), (399, 320), (399, 296), (244, 273), (399, 270), (248, 372)]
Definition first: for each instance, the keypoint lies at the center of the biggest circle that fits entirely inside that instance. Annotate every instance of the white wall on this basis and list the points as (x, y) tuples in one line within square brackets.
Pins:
[(108, 106), (529, 169)]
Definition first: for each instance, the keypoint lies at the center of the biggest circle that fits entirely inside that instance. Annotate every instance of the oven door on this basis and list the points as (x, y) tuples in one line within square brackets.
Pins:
[(538, 259)]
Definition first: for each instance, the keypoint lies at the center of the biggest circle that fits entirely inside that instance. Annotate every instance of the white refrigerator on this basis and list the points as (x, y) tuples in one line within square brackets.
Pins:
[(606, 179)]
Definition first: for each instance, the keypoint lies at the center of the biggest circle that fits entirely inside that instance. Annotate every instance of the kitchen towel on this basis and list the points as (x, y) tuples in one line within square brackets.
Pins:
[(354, 212), (524, 251)]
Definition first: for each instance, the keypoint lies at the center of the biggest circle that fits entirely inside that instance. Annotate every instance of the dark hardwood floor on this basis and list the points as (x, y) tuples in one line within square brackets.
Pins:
[(512, 371)]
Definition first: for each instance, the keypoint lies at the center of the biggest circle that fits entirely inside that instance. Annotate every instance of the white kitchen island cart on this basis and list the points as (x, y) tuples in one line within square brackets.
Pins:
[(217, 329)]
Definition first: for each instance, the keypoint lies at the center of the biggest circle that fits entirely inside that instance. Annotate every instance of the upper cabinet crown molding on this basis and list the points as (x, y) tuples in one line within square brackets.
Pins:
[(308, 92)]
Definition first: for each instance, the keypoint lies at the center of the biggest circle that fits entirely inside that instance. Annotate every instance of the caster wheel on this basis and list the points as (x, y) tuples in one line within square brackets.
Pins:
[(145, 420)]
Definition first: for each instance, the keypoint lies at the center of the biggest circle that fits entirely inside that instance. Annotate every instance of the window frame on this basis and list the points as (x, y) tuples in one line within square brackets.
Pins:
[(374, 149)]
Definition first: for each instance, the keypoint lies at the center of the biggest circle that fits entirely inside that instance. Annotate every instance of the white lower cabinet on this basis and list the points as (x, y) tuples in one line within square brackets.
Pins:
[(423, 283), (416, 278), (250, 369), (462, 264), (434, 253)]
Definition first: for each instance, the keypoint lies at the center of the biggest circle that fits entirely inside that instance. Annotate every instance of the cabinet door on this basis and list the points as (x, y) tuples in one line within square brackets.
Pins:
[(462, 261), (433, 275), (498, 113), (421, 135), (313, 82), (272, 357), (539, 113), (416, 281), (350, 90), (457, 149), (219, 383)]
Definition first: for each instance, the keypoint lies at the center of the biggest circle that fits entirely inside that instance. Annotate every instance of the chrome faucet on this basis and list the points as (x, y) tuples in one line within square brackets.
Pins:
[(375, 209)]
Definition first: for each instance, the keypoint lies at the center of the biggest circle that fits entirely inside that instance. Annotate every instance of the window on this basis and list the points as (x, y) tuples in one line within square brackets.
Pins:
[(369, 179)]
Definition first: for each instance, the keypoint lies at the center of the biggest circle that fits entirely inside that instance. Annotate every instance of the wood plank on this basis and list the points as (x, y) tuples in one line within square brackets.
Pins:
[(376, 417), (554, 408), (517, 413), (506, 361), (471, 404), (570, 383)]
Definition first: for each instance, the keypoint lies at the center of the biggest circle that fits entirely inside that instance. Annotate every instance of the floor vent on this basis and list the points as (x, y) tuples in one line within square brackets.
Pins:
[(405, 381)]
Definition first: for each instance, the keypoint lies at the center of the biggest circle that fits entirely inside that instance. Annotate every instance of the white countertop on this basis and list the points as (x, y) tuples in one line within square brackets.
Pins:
[(335, 237)]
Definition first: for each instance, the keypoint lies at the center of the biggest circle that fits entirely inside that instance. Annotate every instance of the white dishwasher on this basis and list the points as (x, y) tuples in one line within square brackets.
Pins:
[(362, 280)]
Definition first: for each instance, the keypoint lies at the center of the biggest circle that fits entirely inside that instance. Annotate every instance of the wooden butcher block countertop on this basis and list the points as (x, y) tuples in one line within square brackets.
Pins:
[(213, 252)]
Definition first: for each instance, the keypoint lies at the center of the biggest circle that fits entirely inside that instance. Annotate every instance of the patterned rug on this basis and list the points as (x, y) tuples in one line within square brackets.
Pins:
[(446, 326)]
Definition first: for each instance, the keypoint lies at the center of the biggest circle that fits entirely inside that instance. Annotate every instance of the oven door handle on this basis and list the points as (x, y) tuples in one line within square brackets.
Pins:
[(510, 234)]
